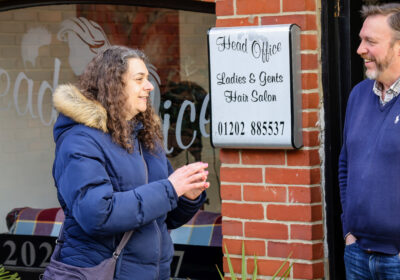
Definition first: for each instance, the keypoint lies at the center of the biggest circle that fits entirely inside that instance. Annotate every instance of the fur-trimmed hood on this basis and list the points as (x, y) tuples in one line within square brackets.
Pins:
[(68, 100)]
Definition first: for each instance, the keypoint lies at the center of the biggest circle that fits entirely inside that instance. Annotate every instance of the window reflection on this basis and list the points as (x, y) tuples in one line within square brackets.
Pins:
[(42, 47)]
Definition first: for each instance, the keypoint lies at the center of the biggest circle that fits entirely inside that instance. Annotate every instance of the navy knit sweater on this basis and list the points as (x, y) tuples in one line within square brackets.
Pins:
[(369, 170)]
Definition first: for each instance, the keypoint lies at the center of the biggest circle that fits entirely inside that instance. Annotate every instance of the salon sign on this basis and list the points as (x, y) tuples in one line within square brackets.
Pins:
[(255, 87)]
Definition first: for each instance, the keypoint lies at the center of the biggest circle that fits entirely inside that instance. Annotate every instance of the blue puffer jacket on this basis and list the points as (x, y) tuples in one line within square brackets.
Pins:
[(103, 191)]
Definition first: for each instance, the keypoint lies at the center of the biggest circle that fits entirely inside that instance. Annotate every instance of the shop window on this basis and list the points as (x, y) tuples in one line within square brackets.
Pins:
[(42, 47)]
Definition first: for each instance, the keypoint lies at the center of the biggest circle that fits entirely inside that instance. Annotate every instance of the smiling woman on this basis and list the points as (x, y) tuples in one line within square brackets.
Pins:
[(112, 175)]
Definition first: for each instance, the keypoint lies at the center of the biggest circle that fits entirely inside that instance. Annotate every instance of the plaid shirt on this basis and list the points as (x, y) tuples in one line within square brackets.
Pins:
[(391, 93)]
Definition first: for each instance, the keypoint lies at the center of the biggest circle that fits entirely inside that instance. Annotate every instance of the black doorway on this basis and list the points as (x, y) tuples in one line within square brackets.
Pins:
[(341, 70)]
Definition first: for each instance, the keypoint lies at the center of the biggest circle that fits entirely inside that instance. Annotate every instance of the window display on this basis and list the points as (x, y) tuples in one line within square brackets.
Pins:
[(42, 47)]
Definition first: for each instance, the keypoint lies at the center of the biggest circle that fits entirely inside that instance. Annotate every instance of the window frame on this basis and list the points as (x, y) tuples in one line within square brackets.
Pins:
[(185, 5)]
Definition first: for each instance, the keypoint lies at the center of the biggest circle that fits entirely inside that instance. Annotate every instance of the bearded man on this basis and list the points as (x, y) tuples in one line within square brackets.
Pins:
[(369, 163)]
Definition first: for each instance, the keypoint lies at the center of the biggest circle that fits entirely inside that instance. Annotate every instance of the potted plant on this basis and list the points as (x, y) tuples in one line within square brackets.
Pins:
[(285, 274), (7, 275)]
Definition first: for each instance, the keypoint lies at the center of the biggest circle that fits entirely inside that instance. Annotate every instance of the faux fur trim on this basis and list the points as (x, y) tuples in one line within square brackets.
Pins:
[(68, 100)]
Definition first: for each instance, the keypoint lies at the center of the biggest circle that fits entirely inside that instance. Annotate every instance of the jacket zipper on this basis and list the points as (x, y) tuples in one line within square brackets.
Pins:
[(159, 251), (155, 222), (144, 162), (147, 180)]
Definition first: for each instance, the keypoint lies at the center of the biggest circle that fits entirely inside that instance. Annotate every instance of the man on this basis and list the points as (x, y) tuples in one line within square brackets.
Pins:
[(369, 163)]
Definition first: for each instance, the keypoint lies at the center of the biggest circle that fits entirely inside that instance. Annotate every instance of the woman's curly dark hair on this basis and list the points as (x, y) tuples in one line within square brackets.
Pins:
[(103, 81)]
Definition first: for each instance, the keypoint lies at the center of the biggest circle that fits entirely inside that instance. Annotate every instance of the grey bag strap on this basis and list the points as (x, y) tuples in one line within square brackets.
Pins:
[(122, 243), (117, 252)]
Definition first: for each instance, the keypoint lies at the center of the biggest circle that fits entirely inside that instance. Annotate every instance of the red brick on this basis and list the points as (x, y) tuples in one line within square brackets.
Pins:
[(257, 7), (303, 157), (309, 81), (305, 194), (233, 228), (297, 250), (310, 100), (252, 247), (310, 119), (234, 246), (265, 157), (264, 193), (298, 5), (308, 271), (224, 7), (266, 267), (306, 232), (310, 138), (306, 22), (228, 22), (229, 156), (231, 192), (242, 211), (247, 175), (308, 41), (266, 230), (236, 264), (292, 176), (309, 61), (299, 213)]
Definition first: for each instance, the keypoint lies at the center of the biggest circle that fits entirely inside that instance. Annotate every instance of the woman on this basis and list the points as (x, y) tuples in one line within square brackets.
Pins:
[(111, 173)]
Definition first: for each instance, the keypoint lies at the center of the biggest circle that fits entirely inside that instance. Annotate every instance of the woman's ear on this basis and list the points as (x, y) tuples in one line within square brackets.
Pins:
[(397, 47)]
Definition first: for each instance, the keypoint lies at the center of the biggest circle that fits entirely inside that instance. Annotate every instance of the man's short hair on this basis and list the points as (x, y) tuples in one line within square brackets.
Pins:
[(391, 9)]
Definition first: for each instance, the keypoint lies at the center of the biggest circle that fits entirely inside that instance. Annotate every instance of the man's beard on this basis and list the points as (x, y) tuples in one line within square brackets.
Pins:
[(381, 66)]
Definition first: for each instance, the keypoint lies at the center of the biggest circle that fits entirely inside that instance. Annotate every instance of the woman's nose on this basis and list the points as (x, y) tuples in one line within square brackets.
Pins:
[(149, 86)]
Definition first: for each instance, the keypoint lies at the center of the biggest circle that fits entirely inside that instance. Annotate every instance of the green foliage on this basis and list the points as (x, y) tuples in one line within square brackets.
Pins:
[(6, 275), (285, 273)]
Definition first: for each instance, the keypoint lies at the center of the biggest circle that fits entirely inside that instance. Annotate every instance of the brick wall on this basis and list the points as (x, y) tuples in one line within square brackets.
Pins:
[(271, 199)]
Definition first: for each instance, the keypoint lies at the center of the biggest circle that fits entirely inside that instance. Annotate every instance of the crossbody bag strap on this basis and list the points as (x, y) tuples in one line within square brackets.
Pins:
[(122, 243), (117, 252)]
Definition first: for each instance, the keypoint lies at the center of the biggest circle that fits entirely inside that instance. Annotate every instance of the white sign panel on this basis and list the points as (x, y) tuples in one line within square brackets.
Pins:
[(255, 86)]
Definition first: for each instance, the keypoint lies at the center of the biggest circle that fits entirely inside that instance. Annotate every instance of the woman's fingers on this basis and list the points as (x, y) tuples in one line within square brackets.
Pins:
[(193, 172), (199, 185), (199, 177), (190, 177), (196, 167)]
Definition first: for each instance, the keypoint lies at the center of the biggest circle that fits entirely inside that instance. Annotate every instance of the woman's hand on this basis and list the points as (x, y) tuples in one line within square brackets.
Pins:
[(190, 180), (193, 194)]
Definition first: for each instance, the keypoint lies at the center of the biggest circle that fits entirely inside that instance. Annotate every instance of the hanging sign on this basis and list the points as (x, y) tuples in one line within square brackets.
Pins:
[(255, 87)]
